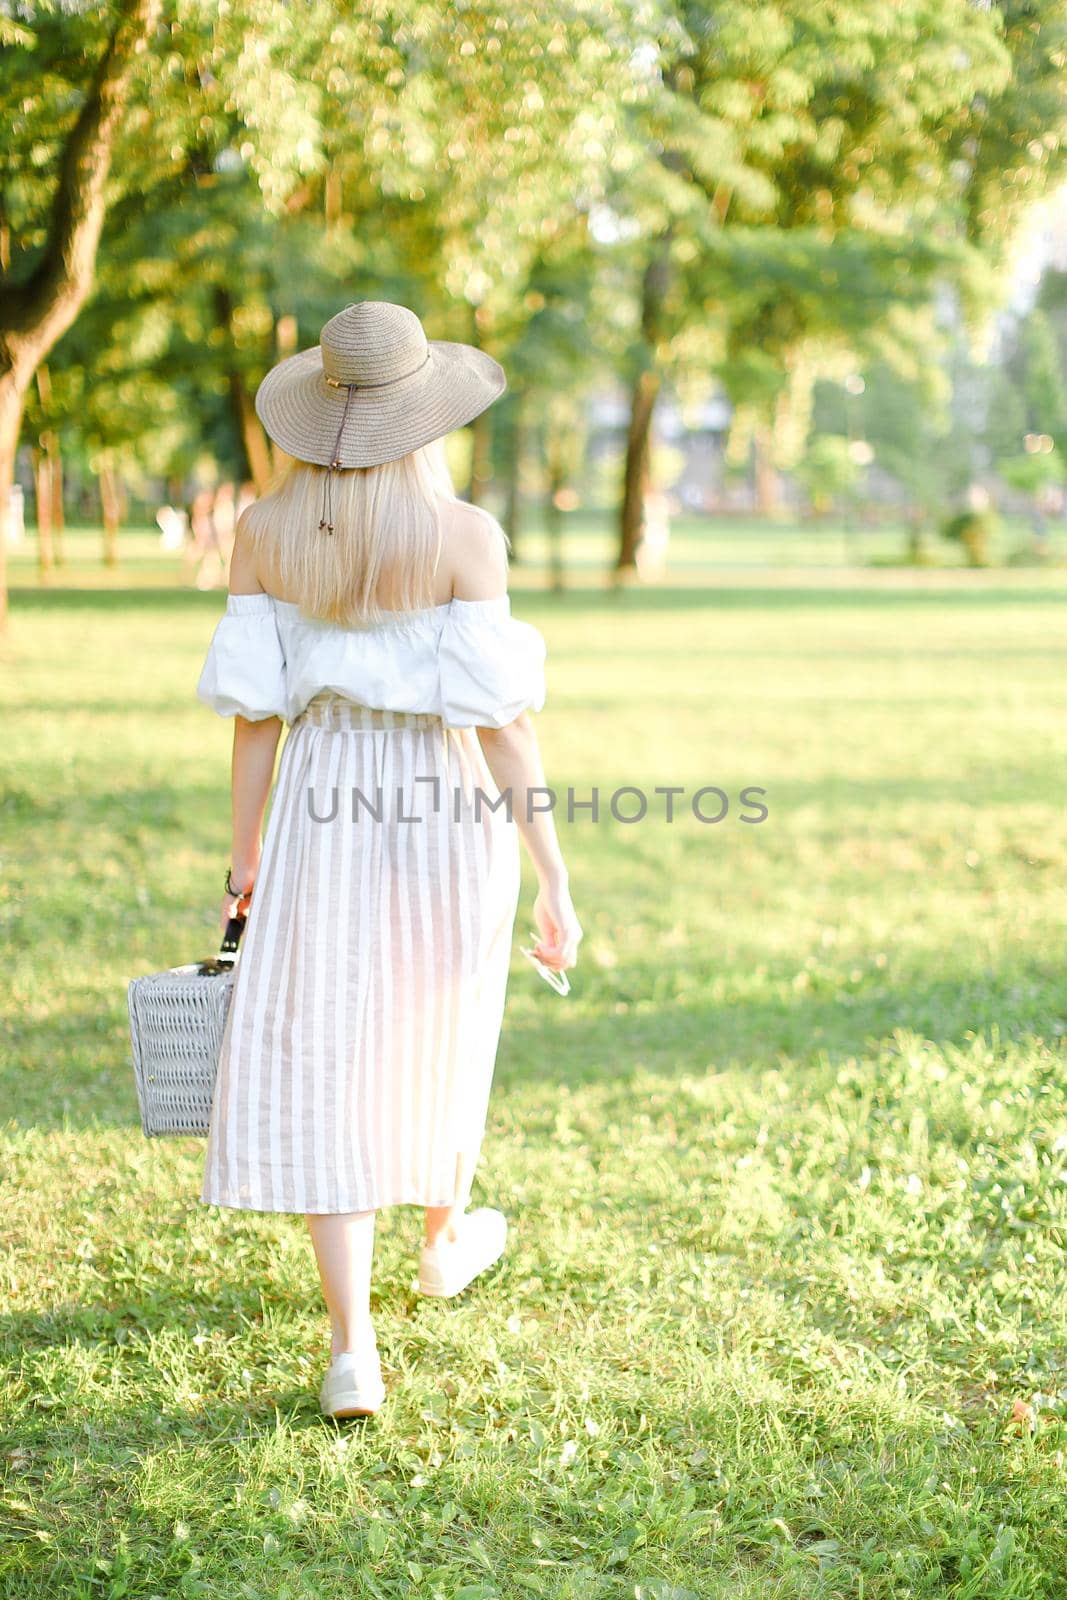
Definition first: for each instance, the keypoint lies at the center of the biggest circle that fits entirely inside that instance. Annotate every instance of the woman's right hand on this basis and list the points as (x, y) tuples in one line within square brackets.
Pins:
[(230, 906), (558, 926)]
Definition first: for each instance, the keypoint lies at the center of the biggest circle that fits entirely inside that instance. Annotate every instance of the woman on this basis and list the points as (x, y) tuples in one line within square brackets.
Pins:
[(368, 608)]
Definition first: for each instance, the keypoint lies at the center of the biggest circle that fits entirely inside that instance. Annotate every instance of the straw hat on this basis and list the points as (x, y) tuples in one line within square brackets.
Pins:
[(374, 388)]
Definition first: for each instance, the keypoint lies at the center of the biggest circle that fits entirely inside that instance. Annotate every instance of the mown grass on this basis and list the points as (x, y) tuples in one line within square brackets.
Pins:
[(783, 1313)]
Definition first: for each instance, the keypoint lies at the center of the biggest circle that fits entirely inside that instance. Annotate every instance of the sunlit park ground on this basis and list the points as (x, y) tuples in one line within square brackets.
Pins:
[(785, 1309)]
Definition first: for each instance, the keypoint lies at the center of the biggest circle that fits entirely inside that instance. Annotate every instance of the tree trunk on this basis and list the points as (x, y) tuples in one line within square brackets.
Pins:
[(253, 437), (333, 194), (59, 518), (286, 339), (481, 471), (48, 480), (42, 486), (110, 507), (646, 388), (481, 429), (513, 503), (35, 314), (258, 464), (768, 482), (10, 419), (917, 542), (638, 460)]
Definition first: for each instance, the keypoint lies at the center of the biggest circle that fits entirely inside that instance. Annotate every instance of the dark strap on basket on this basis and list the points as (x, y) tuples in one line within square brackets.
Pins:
[(231, 939), (224, 961)]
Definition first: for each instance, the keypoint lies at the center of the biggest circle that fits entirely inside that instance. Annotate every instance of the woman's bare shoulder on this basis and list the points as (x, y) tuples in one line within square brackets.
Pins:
[(245, 561), (474, 549)]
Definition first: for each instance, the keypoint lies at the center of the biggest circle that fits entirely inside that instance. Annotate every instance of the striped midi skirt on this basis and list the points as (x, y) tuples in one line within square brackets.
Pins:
[(369, 986)]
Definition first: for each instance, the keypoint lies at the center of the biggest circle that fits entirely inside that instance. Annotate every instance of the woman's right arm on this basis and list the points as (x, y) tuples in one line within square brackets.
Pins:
[(476, 555), (513, 756)]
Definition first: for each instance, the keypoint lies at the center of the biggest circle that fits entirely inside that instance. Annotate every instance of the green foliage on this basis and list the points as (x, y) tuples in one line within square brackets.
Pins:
[(850, 174), (49, 57), (1032, 473), (827, 470), (974, 530), (1005, 421), (765, 198), (1043, 388), (1009, 145), (406, 155)]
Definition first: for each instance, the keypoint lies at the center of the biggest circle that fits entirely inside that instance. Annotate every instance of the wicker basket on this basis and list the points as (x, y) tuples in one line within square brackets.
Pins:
[(176, 1023)]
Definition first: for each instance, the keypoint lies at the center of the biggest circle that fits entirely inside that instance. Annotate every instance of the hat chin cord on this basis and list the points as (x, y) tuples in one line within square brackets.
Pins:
[(326, 520)]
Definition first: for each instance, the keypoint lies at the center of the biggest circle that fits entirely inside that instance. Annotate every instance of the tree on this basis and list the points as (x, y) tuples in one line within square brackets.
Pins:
[(767, 122), (1041, 384), (908, 420), (1005, 420), (407, 154), (907, 127), (827, 470), (45, 287)]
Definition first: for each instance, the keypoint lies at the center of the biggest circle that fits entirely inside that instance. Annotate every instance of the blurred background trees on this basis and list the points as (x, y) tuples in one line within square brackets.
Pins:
[(807, 218)]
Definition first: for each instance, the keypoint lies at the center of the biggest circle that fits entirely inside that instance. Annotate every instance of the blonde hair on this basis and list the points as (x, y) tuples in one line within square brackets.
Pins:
[(387, 535)]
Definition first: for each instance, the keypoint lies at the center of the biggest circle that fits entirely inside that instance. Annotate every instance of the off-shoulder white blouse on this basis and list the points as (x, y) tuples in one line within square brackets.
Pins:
[(468, 661)]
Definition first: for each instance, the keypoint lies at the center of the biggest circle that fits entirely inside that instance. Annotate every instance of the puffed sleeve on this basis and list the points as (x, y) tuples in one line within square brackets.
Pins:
[(244, 671), (492, 665)]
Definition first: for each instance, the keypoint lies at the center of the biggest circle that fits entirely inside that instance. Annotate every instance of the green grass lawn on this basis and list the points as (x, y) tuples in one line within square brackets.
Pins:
[(784, 1309)]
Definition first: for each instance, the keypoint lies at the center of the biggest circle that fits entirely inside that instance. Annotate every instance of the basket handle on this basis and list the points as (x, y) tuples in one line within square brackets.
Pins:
[(231, 939)]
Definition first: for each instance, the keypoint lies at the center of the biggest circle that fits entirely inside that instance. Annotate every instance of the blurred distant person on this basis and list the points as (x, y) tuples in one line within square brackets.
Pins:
[(173, 525), (1048, 502), (651, 554), (207, 557), (224, 516)]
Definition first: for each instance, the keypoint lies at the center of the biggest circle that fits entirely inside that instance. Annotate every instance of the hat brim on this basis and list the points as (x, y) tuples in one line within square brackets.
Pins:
[(302, 412)]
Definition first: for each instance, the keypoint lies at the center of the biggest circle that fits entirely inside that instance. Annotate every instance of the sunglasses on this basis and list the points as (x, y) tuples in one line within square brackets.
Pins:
[(556, 980)]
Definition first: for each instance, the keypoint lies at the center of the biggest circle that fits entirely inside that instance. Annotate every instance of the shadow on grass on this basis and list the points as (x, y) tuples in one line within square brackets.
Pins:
[(135, 807), (628, 1037), (149, 597), (776, 597), (214, 1419), (821, 1030), (668, 597)]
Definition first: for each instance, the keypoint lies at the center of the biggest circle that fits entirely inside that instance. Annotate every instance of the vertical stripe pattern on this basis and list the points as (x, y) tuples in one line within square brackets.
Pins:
[(359, 1047)]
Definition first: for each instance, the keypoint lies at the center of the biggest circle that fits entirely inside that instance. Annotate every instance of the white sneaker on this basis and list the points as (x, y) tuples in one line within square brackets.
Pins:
[(353, 1384), (448, 1266)]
